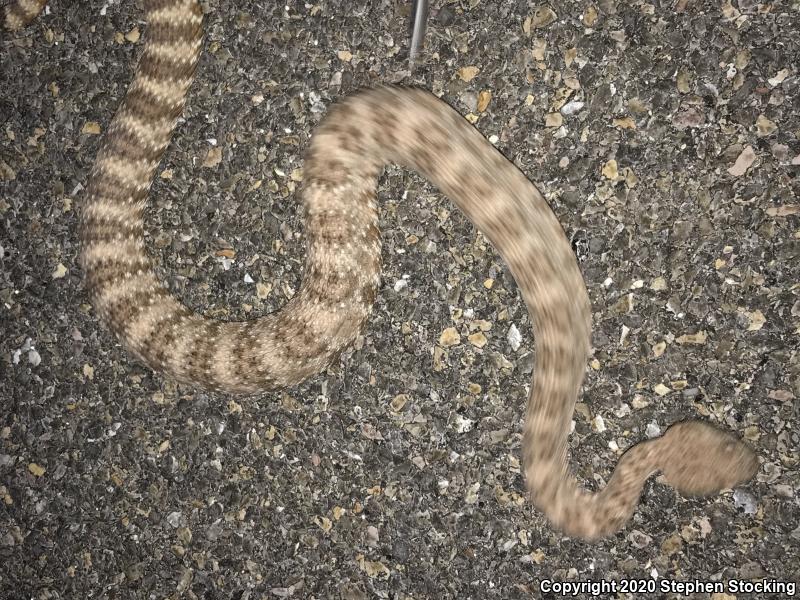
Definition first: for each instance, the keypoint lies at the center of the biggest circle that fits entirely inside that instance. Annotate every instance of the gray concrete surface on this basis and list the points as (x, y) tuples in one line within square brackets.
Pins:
[(396, 475)]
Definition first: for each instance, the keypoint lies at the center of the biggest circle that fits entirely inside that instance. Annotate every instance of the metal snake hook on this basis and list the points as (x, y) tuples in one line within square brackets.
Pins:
[(418, 25)]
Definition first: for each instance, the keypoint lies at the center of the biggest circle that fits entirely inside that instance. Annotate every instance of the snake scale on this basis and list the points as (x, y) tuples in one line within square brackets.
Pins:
[(357, 138)]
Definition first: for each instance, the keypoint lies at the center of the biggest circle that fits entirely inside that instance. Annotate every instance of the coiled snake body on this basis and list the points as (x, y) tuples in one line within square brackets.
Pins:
[(360, 135)]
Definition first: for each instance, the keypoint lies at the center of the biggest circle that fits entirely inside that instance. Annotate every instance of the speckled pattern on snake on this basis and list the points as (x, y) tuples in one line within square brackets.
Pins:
[(360, 135)]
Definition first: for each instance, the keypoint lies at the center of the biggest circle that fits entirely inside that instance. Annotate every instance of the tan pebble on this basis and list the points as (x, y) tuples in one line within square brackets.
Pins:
[(542, 17), (693, 338), (59, 271), (484, 98), (590, 16), (743, 162), (468, 73), (624, 123), (658, 284), (765, 126), (477, 339), (610, 169), (756, 319), (133, 35), (213, 157), (36, 470), (553, 119), (682, 82), (91, 128)]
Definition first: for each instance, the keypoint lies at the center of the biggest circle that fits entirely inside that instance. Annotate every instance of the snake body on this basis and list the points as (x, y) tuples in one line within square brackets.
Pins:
[(357, 138)]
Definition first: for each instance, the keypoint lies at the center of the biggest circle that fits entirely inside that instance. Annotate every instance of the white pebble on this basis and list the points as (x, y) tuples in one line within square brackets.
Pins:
[(570, 108), (514, 337)]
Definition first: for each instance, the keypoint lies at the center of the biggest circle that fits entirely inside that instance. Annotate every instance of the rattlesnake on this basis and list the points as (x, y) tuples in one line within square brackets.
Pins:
[(360, 135)]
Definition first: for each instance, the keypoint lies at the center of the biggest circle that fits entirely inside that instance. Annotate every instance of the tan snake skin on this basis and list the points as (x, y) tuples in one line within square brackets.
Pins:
[(360, 135)]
